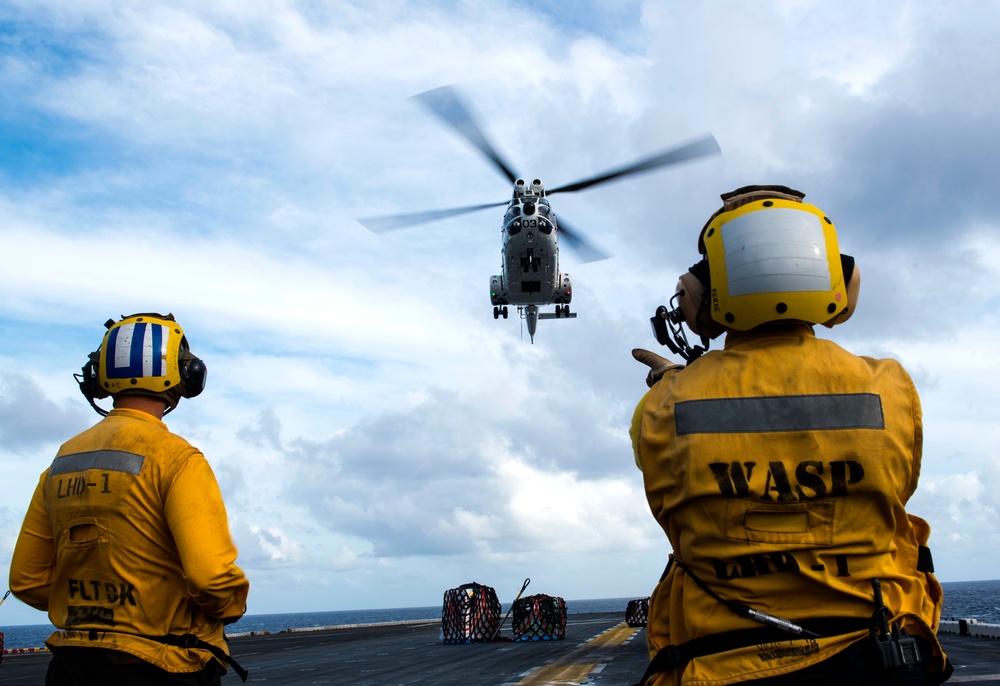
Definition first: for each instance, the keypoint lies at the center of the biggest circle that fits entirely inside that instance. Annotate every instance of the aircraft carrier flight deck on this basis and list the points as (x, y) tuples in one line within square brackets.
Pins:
[(598, 650)]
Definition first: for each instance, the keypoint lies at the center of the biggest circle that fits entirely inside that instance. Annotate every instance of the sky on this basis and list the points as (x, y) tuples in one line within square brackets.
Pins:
[(378, 437)]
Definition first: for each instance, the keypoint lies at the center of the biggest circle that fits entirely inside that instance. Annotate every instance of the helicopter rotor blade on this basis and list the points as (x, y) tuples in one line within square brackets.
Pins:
[(573, 238), (445, 103), (400, 221), (698, 148)]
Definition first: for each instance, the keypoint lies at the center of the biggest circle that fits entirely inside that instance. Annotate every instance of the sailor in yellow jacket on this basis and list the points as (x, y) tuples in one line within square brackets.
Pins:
[(126, 542), (779, 468)]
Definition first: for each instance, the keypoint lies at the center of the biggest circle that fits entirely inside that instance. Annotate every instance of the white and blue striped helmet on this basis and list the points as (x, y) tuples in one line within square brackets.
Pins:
[(144, 353)]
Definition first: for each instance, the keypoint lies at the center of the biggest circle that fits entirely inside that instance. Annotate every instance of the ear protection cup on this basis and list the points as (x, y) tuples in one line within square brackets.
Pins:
[(194, 374), (691, 290), (87, 378), (852, 277)]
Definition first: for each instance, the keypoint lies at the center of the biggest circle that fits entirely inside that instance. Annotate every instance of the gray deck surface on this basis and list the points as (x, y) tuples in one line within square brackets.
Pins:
[(599, 650)]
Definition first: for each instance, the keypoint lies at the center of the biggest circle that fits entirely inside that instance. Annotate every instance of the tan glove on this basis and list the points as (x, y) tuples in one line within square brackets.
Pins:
[(658, 366)]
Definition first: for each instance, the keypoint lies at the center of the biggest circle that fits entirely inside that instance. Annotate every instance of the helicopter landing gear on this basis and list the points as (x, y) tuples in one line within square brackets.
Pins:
[(496, 312), (562, 311), (504, 311), (500, 311)]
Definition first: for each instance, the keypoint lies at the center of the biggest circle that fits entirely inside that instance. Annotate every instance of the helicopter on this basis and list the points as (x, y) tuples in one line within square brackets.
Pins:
[(529, 277)]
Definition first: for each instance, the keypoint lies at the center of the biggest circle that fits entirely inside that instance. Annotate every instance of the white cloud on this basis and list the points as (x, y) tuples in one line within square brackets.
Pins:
[(962, 509)]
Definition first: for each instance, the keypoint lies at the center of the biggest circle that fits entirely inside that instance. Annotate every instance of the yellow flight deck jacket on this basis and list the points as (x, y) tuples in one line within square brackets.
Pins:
[(779, 469), (127, 537)]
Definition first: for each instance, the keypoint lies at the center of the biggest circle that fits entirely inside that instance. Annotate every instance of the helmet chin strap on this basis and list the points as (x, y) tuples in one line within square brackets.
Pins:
[(90, 397), (87, 379), (171, 402)]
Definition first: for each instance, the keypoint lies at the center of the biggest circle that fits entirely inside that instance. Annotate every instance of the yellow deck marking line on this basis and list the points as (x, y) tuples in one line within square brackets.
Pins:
[(974, 678), (575, 665)]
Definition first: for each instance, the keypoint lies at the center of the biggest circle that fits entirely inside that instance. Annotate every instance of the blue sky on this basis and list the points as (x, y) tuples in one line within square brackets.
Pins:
[(379, 438)]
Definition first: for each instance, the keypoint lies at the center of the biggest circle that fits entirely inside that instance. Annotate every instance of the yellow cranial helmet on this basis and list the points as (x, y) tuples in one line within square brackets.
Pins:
[(766, 256), (140, 352), (772, 257), (143, 354)]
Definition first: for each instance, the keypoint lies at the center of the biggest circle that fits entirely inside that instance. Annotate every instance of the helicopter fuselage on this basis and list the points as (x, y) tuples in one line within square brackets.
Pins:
[(530, 254)]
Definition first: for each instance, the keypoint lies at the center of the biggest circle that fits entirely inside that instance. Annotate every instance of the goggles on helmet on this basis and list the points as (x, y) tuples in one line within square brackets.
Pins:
[(773, 259)]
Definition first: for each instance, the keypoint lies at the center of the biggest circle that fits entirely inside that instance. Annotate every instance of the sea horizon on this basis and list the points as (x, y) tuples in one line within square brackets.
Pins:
[(32, 636), (977, 600)]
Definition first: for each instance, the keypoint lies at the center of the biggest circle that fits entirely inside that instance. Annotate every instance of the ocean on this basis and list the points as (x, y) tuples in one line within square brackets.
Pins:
[(979, 600)]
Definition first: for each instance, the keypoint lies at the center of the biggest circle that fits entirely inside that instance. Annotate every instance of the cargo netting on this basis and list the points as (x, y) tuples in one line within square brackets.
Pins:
[(539, 618), (637, 612), (471, 614)]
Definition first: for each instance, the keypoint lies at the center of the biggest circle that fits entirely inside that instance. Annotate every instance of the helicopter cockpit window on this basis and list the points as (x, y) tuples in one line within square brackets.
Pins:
[(543, 208), (513, 212)]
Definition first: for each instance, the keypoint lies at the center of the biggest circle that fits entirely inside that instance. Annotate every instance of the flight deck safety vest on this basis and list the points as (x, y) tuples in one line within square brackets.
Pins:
[(779, 469), (132, 519)]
